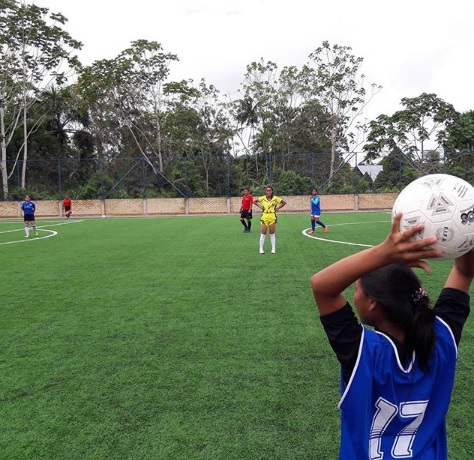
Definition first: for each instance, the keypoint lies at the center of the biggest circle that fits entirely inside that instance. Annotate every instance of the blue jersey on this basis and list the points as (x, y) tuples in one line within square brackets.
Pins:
[(28, 207), (315, 206), (400, 410)]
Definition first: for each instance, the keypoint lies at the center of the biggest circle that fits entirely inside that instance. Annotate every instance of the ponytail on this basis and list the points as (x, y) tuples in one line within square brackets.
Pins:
[(398, 291), (421, 336)]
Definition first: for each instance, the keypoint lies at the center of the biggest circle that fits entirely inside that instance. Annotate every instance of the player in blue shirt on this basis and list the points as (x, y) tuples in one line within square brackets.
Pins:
[(28, 207), (316, 211), (398, 375)]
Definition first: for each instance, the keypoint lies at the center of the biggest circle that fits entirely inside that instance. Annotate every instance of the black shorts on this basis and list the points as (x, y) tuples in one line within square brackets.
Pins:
[(67, 208), (246, 214), (29, 217)]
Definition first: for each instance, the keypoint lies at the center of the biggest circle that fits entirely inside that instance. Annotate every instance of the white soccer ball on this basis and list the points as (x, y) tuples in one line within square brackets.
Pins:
[(445, 205)]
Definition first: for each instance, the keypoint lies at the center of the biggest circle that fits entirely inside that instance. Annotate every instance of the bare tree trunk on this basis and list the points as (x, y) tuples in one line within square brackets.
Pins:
[(3, 166), (25, 145), (333, 151), (25, 127), (158, 142)]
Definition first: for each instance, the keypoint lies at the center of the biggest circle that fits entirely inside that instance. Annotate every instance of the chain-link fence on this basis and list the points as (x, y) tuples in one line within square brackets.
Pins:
[(204, 176)]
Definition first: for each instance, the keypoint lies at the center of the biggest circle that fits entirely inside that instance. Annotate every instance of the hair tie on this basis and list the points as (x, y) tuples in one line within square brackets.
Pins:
[(419, 294)]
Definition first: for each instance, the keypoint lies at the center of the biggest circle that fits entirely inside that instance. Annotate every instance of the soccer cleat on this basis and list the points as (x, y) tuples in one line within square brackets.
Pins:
[(36, 233), (262, 251), (273, 251), (326, 229), (311, 232), (27, 236)]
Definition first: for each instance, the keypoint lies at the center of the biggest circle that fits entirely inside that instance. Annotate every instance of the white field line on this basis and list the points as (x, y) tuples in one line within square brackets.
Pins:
[(50, 233), (305, 233)]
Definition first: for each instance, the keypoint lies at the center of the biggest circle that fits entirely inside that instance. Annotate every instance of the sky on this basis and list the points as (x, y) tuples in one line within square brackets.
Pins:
[(408, 46)]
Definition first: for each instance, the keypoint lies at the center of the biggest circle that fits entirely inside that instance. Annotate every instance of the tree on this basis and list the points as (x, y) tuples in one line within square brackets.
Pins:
[(458, 146), (33, 49), (135, 108), (334, 78), (132, 89), (424, 118), (279, 117), (459, 134), (290, 183), (214, 134), (397, 171), (255, 109), (197, 128)]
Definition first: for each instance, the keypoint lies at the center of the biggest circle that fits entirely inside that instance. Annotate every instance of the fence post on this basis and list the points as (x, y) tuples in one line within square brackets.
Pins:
[(270, 168), (101, 169), (186, 182), (60, 182), (143, 171), (228, 178)]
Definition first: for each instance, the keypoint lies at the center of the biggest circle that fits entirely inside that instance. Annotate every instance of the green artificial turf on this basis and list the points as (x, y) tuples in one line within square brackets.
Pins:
[(172, 338)]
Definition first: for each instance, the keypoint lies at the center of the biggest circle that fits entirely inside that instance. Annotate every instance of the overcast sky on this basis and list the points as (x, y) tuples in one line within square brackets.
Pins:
[(408, 46)]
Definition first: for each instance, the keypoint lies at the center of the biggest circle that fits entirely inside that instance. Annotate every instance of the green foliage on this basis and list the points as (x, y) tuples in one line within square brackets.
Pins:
[(97, 186), (424, 117), (460, 134), (397, 172), (461, 164), (186, 176), (289, 183), (36, 53), (363, 184)]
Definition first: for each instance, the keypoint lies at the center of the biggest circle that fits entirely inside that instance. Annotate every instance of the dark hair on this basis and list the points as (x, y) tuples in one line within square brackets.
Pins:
[(397, 289), (269, 186)]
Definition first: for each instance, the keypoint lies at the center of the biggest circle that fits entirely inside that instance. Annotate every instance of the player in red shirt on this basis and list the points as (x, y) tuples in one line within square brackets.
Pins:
[(67, 203), (246, 210)]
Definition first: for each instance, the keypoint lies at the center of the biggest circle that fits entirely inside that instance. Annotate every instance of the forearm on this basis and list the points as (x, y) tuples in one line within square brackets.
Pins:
[(333, 280), (462, 273), (280, 206), (398, 247)]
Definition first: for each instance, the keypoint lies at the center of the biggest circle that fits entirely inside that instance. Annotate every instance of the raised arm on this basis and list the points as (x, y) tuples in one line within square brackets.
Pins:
[(329, 284), (462, 273)]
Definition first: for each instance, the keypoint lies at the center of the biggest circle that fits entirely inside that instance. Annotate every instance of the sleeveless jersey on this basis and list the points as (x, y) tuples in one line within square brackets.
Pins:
[(400, 411)]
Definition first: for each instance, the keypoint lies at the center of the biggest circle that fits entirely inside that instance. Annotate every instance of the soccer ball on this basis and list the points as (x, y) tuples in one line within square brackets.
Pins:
[(445, 205)]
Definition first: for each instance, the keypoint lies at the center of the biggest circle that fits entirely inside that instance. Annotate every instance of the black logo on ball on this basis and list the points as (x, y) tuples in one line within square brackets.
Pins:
[(467, 218)]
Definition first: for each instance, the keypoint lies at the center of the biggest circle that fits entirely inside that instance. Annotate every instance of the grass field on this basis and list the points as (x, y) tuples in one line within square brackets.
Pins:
[(172, 338)]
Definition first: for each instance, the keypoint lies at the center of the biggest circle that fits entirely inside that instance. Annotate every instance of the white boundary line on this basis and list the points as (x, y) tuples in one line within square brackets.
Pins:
[(37, 238), (304, 232)]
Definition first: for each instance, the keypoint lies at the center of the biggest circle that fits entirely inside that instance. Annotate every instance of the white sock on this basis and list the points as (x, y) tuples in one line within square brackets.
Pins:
[(262, 240), (273, 241), (27, 230)]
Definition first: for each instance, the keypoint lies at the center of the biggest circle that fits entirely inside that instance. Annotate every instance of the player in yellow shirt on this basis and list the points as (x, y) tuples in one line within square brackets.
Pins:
[(269, 204)]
